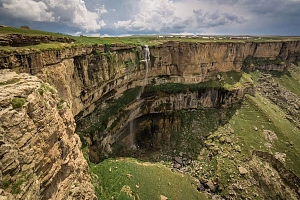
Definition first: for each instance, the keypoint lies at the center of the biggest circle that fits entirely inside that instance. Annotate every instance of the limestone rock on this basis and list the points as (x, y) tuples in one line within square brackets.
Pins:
[(211, 185), (19, 40), (243, 170), (39, 150), (73, 70)]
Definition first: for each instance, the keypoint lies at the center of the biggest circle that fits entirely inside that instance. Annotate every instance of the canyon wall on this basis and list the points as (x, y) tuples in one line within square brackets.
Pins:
[(82, 75), (40, 155)]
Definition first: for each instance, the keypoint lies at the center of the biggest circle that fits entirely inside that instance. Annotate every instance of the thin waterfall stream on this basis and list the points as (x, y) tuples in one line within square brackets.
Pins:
[(131, 136), (147, 62)]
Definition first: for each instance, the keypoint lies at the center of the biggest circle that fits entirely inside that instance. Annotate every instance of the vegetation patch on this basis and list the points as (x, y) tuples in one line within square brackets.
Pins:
[(60, 104), (16, 187), (258, 114), (115, 108), (130, 40), (227, 80), (17, 102), (290, 80), (253, 61), (45, 87), (5, 184), (11, 81), (127, 178), (129, 63)]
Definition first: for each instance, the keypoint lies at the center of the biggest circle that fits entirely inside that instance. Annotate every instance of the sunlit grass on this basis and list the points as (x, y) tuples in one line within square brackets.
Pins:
[(128, 178), (257, 114)]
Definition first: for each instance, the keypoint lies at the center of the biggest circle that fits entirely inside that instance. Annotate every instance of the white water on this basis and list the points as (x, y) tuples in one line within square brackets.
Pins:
[(131, 136), (132, 124), (147, 62)]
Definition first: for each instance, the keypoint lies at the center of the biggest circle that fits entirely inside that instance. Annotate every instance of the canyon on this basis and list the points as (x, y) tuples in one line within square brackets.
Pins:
[(125, 101)]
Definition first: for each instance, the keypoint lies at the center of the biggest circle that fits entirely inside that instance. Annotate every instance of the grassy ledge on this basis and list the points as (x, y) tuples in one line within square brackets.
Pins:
[(128, 178)]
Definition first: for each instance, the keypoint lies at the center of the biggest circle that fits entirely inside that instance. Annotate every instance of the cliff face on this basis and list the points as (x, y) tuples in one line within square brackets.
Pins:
[(203, 98), (40, 154), (83, 75)]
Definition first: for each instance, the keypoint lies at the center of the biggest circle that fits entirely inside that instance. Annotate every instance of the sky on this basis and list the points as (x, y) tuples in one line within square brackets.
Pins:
[(125, 17)]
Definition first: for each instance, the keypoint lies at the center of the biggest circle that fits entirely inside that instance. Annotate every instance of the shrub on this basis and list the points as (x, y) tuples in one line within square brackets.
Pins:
[(60, 105), (5, 184), (45, 87), (17, 102), (16, 187)]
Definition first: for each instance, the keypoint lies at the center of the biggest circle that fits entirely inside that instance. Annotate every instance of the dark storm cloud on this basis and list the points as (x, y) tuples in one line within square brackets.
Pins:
[(215, 19)]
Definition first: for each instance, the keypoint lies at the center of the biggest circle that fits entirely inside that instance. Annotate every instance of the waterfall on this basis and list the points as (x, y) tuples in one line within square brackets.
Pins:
[(131, 135), (132, 126), (147, 62)]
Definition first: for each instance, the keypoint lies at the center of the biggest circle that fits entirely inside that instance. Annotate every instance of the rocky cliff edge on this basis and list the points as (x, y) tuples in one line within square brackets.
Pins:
[(40, 154)]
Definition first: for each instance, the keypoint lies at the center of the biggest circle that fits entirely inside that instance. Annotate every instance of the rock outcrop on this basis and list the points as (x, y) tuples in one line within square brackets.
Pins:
[(84, 74), (19, 40), (40, 154)]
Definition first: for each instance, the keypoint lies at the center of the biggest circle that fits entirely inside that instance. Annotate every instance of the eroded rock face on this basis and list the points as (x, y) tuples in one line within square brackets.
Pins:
[(19, 40), (82, 75), (39, 152)]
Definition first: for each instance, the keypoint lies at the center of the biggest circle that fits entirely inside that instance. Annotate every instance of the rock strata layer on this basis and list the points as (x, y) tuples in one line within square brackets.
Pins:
[(19, 40), (84, 74), (39, 152)]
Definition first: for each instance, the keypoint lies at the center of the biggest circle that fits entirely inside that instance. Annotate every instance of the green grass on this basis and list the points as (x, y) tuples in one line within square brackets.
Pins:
[(5, 184), (200, 123), (12, 30), (98, 120), (175, 88), (45, 87), (264, 115), (16, 187), (127, 178), (229, 81), (254, 115), (138, 40), (290, 80), (251, 61)]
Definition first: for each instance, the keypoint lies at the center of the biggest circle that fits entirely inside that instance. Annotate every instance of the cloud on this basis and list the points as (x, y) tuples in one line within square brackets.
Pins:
[(167, 16), (70, 12), (28, 9), (204, 19), (116, 17), (149, 15)]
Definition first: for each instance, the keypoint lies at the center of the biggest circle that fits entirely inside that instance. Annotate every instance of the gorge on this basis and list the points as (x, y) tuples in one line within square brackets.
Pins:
[(175, 99)]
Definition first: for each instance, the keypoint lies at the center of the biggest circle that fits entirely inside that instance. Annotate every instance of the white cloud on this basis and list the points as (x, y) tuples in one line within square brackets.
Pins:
[(150, 15), (101, 9), (167, 15), (71, 12), (28, 9)]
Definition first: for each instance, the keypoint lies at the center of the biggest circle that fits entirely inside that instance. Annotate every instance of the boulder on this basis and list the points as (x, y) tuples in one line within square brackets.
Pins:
[(211, 185), (178, 160), (242, 170)]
